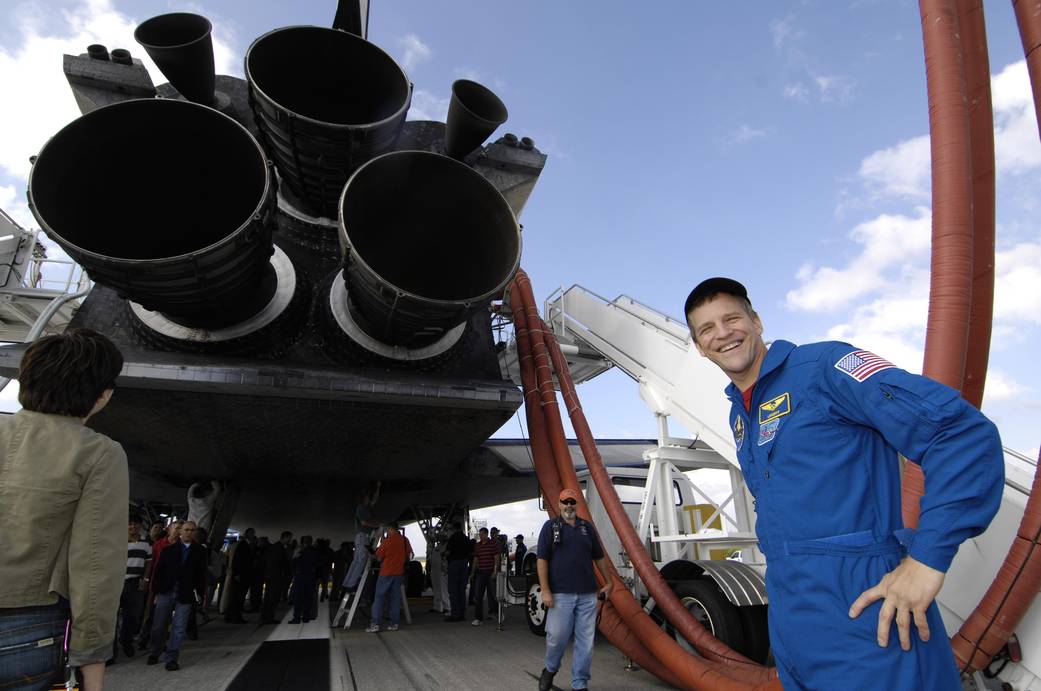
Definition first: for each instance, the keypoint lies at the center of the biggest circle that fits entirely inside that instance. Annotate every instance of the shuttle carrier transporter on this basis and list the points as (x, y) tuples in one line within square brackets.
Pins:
[(306, 290)]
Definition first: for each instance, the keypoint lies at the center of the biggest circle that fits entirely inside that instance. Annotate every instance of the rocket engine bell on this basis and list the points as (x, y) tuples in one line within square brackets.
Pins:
[(325, 102), (427, 241), (167, 202)]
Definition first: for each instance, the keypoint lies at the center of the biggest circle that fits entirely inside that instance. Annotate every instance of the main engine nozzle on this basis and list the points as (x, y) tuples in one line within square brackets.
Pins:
[(427, 242), (325, 102), (166, 202), (181, 47)]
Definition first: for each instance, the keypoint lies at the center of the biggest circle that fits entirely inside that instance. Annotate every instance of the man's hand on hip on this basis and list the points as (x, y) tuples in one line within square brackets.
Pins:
[(906, 591)]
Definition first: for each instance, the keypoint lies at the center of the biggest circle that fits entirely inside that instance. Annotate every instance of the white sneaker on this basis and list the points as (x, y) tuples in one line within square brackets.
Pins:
[(392, 627), (476, 622), (373, 628)]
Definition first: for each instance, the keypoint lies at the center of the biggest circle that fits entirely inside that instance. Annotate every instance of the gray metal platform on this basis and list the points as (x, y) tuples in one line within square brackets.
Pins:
[(429, 654)]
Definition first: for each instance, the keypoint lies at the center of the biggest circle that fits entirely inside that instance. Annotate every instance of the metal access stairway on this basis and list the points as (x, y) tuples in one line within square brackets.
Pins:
[(655, 350), (34, 288), (596, 334)]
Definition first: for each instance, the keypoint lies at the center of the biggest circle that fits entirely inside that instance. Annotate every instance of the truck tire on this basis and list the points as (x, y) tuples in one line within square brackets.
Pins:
[(757, 633), (703, 598), (535, 610), (529, 565)]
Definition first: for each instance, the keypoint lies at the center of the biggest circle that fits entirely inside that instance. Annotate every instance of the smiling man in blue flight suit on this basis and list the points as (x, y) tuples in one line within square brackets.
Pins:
[(818, 429)]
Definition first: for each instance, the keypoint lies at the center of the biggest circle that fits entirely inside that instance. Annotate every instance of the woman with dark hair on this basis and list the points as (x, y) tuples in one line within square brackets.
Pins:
[(63, 502)]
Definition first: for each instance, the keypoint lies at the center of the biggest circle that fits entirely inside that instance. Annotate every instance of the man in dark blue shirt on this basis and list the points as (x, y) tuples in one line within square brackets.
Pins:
[(568, 546)]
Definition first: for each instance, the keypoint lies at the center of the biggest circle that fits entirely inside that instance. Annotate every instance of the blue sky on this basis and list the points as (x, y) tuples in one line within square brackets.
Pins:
[(782, 143)]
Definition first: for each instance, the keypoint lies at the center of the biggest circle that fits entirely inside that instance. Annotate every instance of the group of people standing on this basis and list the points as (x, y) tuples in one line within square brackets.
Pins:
[(455, 561)]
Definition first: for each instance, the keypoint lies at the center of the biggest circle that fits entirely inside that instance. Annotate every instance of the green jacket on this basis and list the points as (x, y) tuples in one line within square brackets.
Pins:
[(64, 494)]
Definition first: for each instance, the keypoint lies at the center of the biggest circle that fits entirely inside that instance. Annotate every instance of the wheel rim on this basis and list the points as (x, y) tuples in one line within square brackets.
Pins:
[(536, 608), (698, 611)]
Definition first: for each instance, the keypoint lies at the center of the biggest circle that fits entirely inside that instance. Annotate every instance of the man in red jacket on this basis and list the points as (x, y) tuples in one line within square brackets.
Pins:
[(392, 554)]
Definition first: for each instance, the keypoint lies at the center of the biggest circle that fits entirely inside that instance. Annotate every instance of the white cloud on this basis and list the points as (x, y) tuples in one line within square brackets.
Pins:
[(413, 51), (797, 91), (1017, 290), (784, 30), (829, 88), (16, 207), (889, 247), (427, 106), (834, 88), (32, 68), (899, 171), (1000, 387), (746, 133), (1016, 144), (893, 324)]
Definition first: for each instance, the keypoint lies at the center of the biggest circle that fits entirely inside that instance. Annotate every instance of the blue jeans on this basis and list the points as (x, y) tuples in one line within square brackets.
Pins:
[(571, 613), (31, 643), (389, 588), (164, 604)]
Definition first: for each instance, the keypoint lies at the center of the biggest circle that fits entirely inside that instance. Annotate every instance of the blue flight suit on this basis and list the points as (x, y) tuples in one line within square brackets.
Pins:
[(818, 448)]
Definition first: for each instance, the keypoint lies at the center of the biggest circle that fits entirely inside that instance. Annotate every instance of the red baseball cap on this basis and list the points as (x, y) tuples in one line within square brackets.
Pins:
[(570, 494)]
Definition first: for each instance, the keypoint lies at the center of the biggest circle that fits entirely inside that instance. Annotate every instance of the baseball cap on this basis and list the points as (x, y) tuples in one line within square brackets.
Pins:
[(569, 494), (713, 286)]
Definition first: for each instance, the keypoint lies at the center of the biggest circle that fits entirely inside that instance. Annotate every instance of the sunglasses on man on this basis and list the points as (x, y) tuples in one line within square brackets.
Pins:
[(568, 502)]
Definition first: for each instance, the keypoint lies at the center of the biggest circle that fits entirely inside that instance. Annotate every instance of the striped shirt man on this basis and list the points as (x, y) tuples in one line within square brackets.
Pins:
[(138, 554), (486, 554)]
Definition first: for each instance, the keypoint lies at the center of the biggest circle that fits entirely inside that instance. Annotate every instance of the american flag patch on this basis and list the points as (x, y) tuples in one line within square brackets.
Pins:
[(861, 364)]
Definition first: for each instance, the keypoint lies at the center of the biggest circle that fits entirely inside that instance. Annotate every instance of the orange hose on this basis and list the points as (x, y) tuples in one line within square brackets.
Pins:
[(946, 335), (989, 626), (541, 453), (612, 624), (994, 620), (973, 32)]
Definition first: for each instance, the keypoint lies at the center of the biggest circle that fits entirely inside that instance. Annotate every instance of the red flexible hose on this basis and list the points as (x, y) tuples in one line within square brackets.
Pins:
[(946, 334), (612, 624), (973, 32), (989, 626)]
